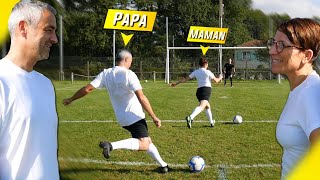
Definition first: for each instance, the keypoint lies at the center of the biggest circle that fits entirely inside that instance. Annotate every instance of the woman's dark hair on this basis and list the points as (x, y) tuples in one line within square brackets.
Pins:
[(203, 61), (303, 32)]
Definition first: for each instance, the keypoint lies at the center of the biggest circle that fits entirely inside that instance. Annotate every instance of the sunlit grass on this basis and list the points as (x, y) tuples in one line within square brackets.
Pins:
[(230, 150)]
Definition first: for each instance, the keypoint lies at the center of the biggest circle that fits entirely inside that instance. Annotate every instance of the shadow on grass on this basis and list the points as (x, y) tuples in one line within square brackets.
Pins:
[(194, 126), (69, 172), (175, 169), (230, 123)]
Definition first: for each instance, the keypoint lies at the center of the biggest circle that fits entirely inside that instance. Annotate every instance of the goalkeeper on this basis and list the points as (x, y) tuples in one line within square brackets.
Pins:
[(228, 71)]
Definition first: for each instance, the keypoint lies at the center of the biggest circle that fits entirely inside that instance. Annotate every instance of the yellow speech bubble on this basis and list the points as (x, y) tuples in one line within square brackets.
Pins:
[(207, 34), (308, 168), (130, 20), (204, 49), (5, 9), (126, 38)]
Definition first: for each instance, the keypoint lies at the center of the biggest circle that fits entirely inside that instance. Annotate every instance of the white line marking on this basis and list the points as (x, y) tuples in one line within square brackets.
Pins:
[(221, 174), (175, 121), (221, 166)]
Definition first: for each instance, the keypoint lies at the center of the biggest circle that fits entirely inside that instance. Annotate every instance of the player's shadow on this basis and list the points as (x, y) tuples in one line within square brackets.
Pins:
[(175, 169), (66, 172), (194, 126), (230, 123), (79, 171)]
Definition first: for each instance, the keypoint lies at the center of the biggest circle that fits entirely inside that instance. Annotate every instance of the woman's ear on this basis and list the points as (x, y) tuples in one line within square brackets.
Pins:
[(308, 55)]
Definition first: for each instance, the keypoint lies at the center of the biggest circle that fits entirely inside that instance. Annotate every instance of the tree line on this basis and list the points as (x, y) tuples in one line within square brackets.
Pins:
[(83, 22)]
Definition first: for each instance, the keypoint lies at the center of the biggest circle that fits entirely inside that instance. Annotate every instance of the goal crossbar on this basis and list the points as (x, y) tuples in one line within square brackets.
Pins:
[(238, 48)]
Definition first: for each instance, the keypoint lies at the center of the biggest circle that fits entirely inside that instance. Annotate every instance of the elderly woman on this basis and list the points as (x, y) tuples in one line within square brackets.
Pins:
[(293, 50)]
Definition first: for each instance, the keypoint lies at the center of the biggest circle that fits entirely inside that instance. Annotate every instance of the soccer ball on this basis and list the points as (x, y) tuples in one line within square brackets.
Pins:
[(146, 81), (237, 119), (196, 164)]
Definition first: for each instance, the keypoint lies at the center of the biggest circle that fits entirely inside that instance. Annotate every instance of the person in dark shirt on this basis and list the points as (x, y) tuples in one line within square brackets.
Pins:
[(228, 71)]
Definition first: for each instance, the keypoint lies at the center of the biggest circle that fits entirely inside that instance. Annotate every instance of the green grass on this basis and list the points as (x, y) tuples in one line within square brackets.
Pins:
[(245, 151)]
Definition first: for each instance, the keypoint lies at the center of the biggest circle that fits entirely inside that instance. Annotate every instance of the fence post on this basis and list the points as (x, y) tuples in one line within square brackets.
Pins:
[(71, 77), (88, 69), (154, 76)]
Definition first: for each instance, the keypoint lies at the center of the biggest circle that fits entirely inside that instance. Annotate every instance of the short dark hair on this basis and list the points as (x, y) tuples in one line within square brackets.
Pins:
[(303, 32), (203, 61)]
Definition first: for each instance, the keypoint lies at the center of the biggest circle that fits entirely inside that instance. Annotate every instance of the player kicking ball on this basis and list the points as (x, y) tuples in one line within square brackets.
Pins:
[(128, 102)]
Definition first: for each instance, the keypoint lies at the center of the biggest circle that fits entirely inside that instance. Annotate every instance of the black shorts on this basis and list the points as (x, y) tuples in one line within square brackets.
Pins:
[(227, 75), (138, 129), (203, 93)]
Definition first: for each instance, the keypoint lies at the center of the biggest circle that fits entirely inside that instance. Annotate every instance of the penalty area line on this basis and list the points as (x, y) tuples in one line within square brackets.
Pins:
[(129, 163)]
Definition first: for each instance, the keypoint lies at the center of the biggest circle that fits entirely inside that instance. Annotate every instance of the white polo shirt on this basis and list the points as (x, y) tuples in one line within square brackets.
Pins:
[(203, 76), (121, 84), (28, 125), (299, 117)]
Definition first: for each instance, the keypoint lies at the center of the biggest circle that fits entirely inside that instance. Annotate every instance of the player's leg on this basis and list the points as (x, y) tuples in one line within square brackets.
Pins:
[(140, 141), (130, 143), (227, 75), (145, 144), (203, 96), (231, 81), (196, 111), (209, 115), (199, 109)]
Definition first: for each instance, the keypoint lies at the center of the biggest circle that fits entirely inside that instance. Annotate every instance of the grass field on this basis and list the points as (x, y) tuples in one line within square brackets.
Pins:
[(245, 151)]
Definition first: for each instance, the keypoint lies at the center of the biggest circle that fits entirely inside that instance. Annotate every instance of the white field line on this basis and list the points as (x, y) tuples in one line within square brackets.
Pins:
[(175, 121), (221, 166), (222, 174)]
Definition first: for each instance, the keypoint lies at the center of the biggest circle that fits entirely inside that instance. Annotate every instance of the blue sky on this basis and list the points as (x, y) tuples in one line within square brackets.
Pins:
[(294, 8)]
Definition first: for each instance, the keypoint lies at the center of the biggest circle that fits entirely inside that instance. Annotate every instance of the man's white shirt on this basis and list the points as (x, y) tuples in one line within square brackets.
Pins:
[(121, 84), (28, 125)]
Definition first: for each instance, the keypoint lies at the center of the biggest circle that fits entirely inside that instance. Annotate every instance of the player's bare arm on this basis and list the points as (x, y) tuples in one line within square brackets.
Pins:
[(147, 106), (314, 137), (183, 80), (218, 79), (79, 94)]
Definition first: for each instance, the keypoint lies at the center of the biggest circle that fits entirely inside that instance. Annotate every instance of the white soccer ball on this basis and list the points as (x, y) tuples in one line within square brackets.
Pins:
[(196, 164), (146, 81), (237, 119)]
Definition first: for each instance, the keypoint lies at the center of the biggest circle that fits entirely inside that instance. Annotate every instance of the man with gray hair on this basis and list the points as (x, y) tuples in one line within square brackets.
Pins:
[(128, 102), (28, 117)]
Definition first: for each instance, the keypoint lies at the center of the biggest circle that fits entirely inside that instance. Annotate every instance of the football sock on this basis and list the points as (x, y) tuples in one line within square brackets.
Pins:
[(209, 115), (131, 144), (154, 153), (195, 112)]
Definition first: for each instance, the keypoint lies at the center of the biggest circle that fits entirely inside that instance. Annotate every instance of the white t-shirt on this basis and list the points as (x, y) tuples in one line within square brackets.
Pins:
[(121, 84), (28, 125), (300, 116), (203, 76)]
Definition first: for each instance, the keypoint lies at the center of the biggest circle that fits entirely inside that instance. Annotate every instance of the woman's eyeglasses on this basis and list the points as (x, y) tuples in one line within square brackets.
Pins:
[(280, 45)]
